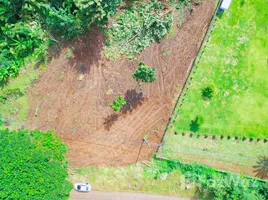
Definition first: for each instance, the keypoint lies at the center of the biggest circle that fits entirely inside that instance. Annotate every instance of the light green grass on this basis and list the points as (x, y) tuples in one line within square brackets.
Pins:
[(229, 151), (15, 108), (135, 178), (235, 65)]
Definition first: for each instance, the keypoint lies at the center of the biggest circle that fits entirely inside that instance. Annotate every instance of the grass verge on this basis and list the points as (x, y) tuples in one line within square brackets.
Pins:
[(172, 177), (135, 178)]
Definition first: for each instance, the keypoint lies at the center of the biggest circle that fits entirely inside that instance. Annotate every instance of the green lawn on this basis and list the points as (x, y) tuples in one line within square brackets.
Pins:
[(234, 65)]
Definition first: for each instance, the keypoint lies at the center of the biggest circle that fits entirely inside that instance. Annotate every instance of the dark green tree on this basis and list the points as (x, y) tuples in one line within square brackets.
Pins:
[(207, 93), (144, 74), (118, 103), (33, 166)]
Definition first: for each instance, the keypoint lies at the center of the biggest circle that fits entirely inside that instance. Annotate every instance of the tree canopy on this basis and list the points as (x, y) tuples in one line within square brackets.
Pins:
[(32, 166), (27, 27), (144, 73)]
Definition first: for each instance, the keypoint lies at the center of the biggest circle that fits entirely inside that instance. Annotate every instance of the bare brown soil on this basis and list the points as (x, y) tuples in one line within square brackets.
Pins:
[(72, 95)]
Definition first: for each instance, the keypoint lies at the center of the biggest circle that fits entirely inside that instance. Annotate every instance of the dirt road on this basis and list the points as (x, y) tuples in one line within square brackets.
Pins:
[(99, 195)]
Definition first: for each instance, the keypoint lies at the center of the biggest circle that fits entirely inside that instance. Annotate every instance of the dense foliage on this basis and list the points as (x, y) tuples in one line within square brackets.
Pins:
[(32, 166), (144, 73), (27, 26), (118, 103), (217, 185), (136, 28)]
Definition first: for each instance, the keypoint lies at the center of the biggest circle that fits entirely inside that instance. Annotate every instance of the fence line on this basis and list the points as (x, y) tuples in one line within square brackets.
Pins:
[(135, 143), (192, 68)]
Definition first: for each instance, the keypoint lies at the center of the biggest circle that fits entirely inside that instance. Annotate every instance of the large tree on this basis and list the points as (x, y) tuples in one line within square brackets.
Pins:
[(32, 166)]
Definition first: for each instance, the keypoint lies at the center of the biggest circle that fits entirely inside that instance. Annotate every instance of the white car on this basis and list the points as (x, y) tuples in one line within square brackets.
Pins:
[(81, 187)]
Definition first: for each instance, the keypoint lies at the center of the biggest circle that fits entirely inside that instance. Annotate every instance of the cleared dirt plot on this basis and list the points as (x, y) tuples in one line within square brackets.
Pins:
[(72, 95)]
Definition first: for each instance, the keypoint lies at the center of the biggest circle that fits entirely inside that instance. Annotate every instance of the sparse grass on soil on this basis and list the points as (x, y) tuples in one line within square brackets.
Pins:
[(13, 97), (234, 65), (137, 178), (227, 154)]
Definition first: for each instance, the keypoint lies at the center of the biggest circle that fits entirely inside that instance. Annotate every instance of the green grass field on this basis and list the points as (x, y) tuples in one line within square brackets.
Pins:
[(234, 64)]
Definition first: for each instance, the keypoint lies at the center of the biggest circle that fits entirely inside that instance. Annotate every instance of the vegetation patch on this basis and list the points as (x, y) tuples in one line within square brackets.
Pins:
[(229, 154), (29, 27), (33, 166), (13, 98), (212, 184), (227, 88), (143, 23), (135, 178), (137, 28), (174, 178)]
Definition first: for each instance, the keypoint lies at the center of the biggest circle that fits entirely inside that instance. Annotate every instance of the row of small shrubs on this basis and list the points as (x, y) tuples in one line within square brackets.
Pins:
[(215, 137)]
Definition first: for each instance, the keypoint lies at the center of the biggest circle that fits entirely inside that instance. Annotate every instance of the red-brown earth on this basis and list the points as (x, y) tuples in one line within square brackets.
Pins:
[(72, 95)]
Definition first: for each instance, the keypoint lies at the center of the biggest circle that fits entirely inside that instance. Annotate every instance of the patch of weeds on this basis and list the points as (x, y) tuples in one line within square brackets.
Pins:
[(11, 94), (165, 53)]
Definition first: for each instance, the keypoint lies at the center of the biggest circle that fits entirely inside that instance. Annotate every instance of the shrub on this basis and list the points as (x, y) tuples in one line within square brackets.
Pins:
[(207, 93), (118, 103), (144, 73)]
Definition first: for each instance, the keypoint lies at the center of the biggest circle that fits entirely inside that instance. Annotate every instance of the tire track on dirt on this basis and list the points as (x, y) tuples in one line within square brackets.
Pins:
[(77, 109)]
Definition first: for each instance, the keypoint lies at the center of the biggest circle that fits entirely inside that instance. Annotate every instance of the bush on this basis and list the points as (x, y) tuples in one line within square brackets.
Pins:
[(33, 166), (118, 103), (207, 93), (144, 73)]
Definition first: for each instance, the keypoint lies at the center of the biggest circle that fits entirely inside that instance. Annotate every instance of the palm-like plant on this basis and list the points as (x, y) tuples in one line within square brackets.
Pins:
[(261, 168)]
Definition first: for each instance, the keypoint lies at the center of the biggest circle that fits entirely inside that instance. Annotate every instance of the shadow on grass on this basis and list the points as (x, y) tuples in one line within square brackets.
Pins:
[(261, 168), (194, 127)]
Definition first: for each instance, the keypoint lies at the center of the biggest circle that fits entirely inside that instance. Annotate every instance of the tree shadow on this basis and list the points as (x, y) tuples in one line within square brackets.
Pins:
[(220, 13), (194, 127), (261, 168), (110, 120), (133, 99), (86, 51)]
